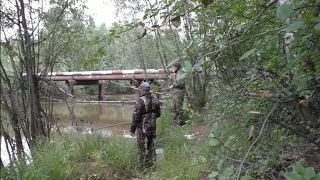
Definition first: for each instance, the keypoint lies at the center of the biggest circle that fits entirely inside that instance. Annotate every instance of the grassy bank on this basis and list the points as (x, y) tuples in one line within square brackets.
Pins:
[(223, 140), (97, 157)]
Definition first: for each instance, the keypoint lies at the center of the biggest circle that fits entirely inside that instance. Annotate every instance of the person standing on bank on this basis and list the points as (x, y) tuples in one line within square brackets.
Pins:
[(146, 111), (178, 91)]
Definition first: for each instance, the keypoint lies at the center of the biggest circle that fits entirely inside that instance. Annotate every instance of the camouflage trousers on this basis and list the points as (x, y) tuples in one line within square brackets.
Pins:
[(147, 150), (178, 98)]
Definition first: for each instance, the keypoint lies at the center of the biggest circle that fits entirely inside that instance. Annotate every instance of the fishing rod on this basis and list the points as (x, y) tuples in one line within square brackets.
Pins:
[(111, 126)]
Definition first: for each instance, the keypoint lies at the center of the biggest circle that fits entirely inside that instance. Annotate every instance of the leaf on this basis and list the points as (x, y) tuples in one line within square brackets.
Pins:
[(293, 176), (284, 11), (221, 42), (219, 36), (309, 173), (219, 165), (213, 142), (228, 171), (197, 66), (213, 174), (317, 26), (206, 2), (97, 38), (239, 27), (247, 54), (246, 177), (306, 37), (141, 24), (102, 53), (155, 26), (228, 141), (316, 177), (294, 26), (251, 132), (187, 66), (195, 42), (315, 19), (298, 168), (176, 22), (216, 130)]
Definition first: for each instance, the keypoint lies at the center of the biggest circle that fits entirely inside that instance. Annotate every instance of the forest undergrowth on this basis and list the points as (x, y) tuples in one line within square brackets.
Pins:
[(221, 142)]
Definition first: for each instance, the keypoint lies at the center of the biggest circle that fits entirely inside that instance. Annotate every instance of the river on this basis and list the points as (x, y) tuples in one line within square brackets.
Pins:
[(91, 118)]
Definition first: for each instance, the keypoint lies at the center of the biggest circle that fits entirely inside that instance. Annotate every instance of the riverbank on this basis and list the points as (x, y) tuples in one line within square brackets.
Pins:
[(79, 156), (215, 147)]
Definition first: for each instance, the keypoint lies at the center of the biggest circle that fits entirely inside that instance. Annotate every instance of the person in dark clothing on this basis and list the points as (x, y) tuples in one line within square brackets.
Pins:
[(146, 111)]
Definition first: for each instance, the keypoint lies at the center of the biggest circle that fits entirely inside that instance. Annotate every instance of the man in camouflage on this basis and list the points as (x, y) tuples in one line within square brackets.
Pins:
[(178, 91), (147, 110)]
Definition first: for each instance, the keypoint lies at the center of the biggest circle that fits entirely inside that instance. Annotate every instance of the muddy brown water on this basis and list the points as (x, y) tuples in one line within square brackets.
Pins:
[(93, 118), (90, 118)]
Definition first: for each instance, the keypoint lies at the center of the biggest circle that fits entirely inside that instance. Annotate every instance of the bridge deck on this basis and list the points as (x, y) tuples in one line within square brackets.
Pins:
[(138, 74)]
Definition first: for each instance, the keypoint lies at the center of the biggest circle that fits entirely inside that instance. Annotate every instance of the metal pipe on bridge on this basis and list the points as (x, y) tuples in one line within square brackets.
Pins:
[(111, 72), (97, 77), (108, 77)]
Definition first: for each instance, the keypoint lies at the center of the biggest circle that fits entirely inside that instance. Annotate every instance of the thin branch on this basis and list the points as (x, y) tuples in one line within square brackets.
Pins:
[(259, 16), (260, 133), (297, 132)]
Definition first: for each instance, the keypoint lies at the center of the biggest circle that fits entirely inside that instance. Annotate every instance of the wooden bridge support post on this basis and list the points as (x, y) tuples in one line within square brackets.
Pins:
[(101, 90), (137, 91), (71, 83)]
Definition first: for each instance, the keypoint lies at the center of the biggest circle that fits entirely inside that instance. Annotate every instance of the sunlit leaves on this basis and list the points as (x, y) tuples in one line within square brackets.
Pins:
[(213, 174), (294, 26), (247, 54), (187, 66), (193, 45), (317, 26), (246, 177), (213, 142), (218, 37), (215, 133), (300, 173), (293, 176), (176, 22), (284, 11), (219, 165)]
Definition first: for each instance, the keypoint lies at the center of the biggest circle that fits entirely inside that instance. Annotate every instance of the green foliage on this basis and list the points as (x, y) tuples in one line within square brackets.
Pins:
[(77, 156), (247, 54), (301, 173), (224, 173), (294, 26), (284, 11)]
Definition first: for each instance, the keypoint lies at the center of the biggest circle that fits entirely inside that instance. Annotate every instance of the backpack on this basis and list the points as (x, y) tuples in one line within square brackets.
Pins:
[(149, 117)]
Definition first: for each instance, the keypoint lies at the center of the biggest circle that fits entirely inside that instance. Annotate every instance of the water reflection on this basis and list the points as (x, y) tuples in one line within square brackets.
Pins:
[(93, 118)]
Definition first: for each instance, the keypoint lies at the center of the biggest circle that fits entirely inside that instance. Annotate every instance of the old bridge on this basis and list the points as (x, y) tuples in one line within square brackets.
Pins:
[(99, 77)]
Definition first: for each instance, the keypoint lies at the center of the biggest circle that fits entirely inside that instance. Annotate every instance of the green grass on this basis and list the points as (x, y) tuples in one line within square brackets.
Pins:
[(91, 156)]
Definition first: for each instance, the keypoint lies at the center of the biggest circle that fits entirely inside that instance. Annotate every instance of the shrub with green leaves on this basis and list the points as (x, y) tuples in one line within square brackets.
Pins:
[(301, 173)]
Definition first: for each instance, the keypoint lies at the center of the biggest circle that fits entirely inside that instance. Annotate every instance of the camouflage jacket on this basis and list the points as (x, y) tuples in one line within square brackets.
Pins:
[(146, 110), (178, 81)]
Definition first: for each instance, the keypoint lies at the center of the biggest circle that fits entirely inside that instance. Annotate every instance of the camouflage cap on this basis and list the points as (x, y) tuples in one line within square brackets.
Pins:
[(145, 86), (177, 65)]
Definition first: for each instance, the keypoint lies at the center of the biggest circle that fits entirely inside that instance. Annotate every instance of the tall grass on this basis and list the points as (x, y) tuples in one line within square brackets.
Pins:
[(183, 158), (95, 157), (75, 157)]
